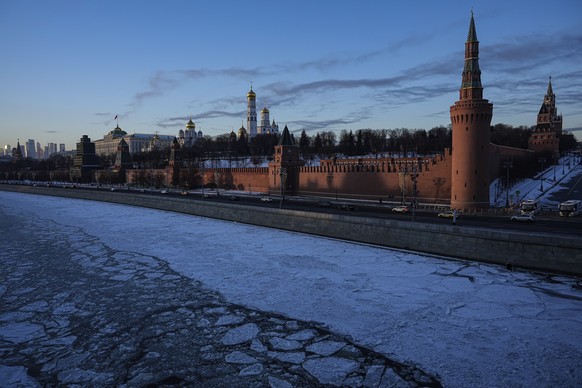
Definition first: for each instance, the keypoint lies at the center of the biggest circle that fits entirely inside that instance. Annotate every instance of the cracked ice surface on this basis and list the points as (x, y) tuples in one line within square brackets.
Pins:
[(469, 323)]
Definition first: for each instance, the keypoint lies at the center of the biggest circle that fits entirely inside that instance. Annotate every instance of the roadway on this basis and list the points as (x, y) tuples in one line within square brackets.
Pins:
[(545, 222)]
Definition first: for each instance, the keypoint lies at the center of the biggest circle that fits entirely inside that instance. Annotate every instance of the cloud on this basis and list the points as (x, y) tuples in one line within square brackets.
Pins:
[(211, 114), (503, 65)]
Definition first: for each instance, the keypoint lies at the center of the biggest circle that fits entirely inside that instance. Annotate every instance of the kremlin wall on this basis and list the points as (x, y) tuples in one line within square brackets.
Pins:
[(460, 176)]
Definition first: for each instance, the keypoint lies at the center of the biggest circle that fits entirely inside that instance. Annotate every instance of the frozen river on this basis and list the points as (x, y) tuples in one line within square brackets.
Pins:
[(469, 324)]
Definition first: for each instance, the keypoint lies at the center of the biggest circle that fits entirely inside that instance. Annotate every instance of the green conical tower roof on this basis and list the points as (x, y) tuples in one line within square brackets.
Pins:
[(285, 139), (550, 90), (472, 35)]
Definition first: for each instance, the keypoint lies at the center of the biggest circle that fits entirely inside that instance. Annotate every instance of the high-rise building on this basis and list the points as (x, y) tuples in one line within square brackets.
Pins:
[(30, 149), (62, 147), (471, 119), (39, 151), (52, 148), (7, 149)]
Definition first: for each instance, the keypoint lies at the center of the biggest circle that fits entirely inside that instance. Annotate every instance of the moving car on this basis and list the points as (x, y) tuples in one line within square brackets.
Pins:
[(347, 207), (448, 214), (401, 209), (527, 217), (266, 199)]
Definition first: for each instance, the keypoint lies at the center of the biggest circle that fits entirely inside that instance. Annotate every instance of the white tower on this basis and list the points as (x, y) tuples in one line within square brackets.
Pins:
[(252, 113), (265, 126)]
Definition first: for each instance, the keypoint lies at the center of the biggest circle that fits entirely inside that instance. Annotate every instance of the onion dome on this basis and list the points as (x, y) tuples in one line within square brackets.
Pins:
[(200, 134), (251, 94), (265, 110), (242, 132), (181, 133), (190, 124)]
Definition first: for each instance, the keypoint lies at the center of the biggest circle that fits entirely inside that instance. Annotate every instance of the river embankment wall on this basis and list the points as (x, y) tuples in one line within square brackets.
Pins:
[(535, 251)]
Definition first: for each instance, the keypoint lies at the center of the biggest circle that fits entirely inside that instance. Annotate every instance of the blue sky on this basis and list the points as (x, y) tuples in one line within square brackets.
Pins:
[(68, 67)]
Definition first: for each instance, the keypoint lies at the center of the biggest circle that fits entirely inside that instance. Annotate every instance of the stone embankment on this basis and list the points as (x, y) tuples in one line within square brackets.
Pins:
[(536, 251)]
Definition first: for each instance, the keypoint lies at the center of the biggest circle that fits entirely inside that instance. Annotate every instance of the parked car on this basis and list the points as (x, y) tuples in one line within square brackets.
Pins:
[(233, 197), (526, 217), (401, 209), (266, 199), (325, 204), (448, 214), (347, 207), (184, 193)]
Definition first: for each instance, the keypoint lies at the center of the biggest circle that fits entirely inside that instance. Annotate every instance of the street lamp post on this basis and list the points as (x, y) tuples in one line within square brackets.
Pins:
[(507, 165), (414, 175), (542, 161), (282, 177)]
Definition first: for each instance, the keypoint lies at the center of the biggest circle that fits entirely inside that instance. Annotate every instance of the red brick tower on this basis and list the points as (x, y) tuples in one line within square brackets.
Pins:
[(471, 119), (546, 136)]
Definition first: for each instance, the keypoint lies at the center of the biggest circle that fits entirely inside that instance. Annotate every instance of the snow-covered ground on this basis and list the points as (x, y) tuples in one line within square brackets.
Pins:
[(470, 324), (550, 180)]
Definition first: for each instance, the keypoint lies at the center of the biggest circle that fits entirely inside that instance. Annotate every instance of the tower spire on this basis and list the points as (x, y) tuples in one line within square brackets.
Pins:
[(471, 88), (550, 91), (472, 35)]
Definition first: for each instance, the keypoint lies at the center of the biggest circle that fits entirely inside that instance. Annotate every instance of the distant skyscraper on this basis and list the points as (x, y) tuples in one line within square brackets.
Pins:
[(45, 152), (61, 147), (7, 149), (30, 149), (1, 151), (52, 148), (39, 153)]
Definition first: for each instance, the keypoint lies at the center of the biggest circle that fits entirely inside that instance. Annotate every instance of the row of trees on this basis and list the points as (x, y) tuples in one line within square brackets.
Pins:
[(324, 144)]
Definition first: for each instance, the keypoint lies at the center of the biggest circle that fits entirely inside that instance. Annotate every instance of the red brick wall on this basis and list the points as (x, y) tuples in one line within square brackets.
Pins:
[(499, 154), (245, 179), (378, 178)]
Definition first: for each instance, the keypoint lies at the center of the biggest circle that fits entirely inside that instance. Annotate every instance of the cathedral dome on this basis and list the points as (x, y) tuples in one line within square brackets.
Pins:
[(242, 132), (190, 124), (265, 110), (251, 93)]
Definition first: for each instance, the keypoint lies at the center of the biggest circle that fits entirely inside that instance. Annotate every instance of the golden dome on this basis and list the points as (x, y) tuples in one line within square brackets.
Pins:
[(265, 110), (242, 132), (190, 124), (251, 93)]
